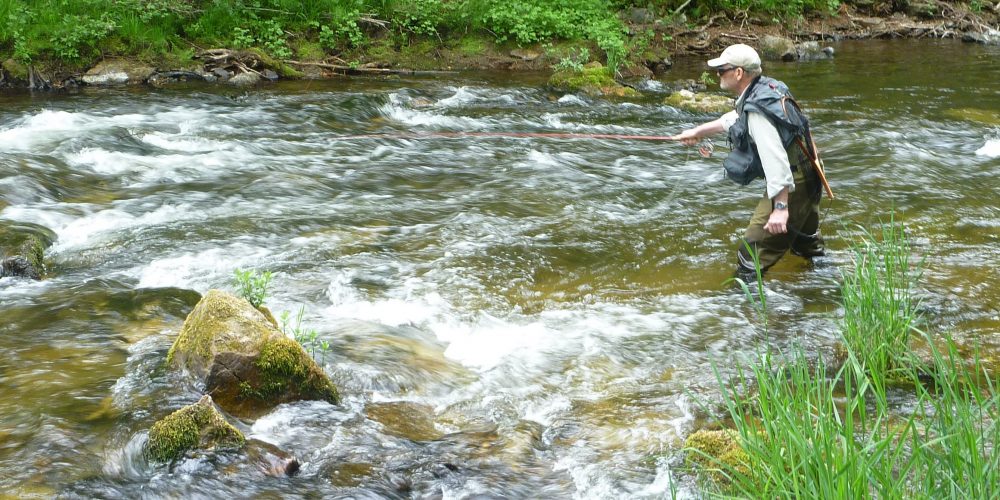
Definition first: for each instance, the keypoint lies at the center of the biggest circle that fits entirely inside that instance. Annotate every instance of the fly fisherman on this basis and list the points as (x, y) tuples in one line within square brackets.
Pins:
[(765, 132)]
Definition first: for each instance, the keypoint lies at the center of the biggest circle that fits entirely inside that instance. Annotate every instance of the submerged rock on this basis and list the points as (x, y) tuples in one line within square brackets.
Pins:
[(196, 426), (246, 363), (699, 103), (272, 460), (404, 419), (593, 79)]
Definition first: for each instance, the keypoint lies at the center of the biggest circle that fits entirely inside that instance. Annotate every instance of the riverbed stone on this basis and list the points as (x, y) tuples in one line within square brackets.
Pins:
[(699, 102), (246, 363), (196, 426), (117, 72)]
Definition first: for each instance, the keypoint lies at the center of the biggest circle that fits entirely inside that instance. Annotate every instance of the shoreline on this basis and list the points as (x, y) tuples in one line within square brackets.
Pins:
[(652, 58)]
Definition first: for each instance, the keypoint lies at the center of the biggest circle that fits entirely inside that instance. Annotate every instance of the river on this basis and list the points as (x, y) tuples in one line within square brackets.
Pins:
[(508, 317)]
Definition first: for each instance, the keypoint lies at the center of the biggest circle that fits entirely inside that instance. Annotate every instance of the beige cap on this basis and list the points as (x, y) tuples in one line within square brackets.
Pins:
[(740, 55)]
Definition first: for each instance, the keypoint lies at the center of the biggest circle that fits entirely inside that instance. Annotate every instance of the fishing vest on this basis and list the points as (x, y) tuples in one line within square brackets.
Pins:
[(771, 98)]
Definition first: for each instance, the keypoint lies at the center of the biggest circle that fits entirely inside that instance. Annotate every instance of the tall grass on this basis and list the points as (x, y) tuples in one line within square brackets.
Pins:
[(808, 432), (880, 308)]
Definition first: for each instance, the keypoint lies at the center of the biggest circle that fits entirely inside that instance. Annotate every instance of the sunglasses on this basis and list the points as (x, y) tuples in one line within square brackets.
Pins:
[(722, 71)]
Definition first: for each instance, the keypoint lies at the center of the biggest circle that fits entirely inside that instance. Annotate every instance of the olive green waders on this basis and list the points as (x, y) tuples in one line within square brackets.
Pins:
[(802, 238)]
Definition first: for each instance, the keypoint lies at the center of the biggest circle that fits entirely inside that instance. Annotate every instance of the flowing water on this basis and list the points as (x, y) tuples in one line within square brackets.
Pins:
[(508, 317)]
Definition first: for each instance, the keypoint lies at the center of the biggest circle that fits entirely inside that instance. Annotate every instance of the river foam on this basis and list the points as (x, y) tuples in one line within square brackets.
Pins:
[(991, 149)]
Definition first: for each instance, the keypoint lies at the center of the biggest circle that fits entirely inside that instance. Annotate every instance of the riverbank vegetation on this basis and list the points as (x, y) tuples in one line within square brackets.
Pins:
[(77, 33), (891, 420)]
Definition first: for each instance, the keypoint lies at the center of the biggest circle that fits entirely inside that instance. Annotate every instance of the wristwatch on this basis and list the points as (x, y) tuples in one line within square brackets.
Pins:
[(778, 205)]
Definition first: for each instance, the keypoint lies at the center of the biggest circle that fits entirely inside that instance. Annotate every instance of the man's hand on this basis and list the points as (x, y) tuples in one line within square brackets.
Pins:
[(688, 137), (777, 223)]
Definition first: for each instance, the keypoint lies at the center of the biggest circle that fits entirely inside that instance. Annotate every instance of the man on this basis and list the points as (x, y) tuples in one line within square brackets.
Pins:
[(769, 136)]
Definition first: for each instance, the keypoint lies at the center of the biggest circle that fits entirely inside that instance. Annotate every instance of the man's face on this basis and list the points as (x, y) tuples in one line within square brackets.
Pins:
[(729, 77)]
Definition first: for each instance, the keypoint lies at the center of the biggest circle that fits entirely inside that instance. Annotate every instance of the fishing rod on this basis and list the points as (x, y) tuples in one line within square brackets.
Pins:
[(516, 135), (705, 148)]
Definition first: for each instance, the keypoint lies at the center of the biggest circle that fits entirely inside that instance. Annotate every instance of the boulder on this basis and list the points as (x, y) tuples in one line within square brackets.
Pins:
[(24, 246), (594, 79), (246, 363), (776, 48), (244, 79), (988, 37), (699, 103), (116, 72), (196, 426), (812, 51)]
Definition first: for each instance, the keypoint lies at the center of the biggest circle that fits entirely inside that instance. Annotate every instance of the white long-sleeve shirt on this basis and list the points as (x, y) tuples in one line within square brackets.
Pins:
[(774, 159)]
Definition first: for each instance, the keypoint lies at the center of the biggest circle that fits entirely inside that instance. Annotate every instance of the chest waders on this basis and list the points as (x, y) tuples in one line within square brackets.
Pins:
[(771, 98)]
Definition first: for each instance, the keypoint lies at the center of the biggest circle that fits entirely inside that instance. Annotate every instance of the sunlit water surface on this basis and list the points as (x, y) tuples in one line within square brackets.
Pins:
[(508, 317)]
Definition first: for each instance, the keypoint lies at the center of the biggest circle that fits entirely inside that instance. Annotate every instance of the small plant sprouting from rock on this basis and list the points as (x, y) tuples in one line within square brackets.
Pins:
[(706, 78), (252, 285), (574, 61), (308, 338)]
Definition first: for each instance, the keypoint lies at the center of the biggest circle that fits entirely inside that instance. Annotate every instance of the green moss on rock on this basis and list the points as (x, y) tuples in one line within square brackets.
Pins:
[(16, 70), (285, 368), (715, 450), (198, 425), (247, 364), (33, 249), (220, 322), (592, 79), (699, 103)]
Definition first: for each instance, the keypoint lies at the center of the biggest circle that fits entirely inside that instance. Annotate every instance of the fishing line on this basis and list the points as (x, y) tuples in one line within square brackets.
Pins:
[(514, 135)]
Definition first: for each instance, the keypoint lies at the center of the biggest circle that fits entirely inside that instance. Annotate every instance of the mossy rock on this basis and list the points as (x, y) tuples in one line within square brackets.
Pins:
[(22, 249), (16, 70), (247, 364), (196, 426), (699, 103), (716, 451), (593, 79)]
